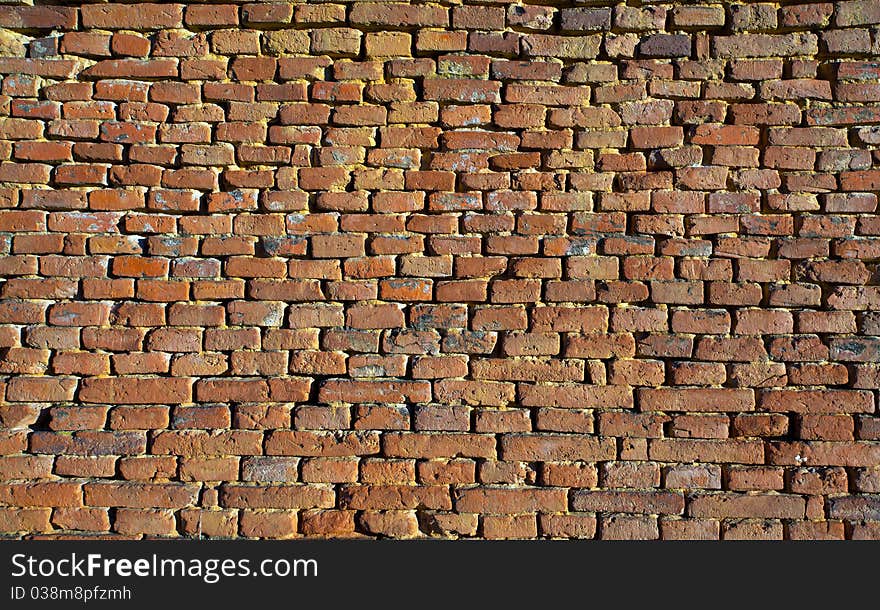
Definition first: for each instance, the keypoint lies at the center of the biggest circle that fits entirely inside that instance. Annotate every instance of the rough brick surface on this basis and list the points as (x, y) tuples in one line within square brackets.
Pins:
[(440, 268)]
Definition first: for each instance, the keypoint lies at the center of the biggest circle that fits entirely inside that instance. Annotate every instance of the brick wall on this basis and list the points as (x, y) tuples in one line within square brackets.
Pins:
[(466, 269)]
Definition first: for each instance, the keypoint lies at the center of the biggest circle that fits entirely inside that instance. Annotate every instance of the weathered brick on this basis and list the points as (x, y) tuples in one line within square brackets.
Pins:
[(647, 502), (696, 399), (276, 496), (506, 500), (140, 495), (556, 447), (740, 505), (404, 269), (135, 390)]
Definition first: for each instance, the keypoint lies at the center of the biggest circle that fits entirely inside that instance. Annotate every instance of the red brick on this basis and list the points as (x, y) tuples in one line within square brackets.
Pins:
[(135, 390), (509, 500), (273, 270), (696, 399), (276, 496), (120, 16), (741, 505)]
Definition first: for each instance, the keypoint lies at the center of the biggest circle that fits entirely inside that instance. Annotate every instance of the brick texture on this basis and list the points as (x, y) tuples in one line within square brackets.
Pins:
[(456, 269)]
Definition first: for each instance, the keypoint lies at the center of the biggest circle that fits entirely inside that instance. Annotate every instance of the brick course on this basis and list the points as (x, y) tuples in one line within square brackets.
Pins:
[(452, 269)]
